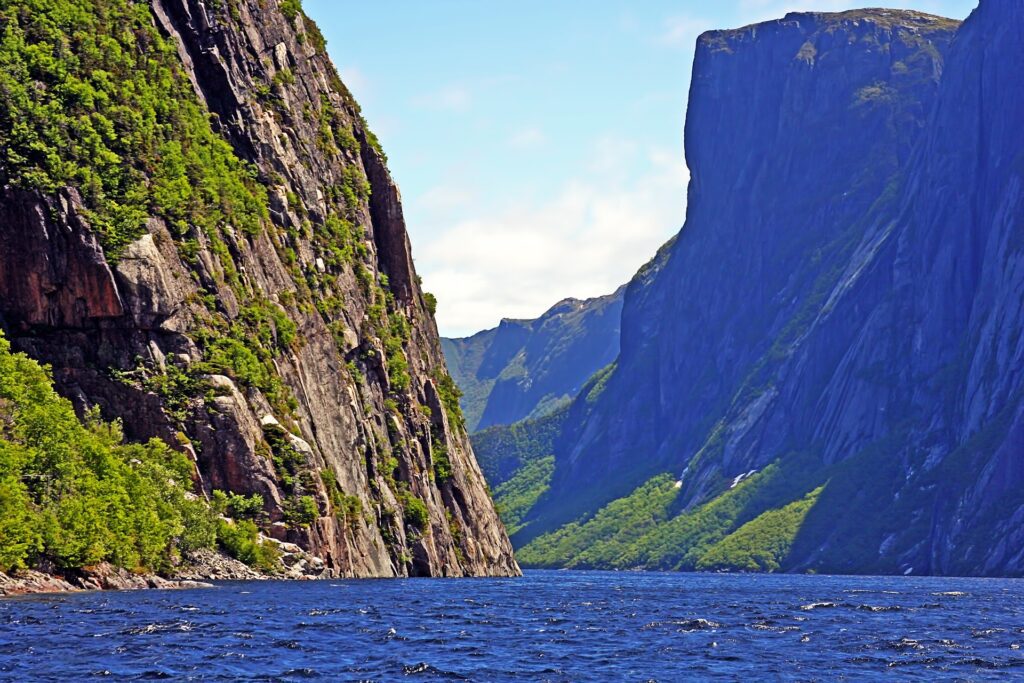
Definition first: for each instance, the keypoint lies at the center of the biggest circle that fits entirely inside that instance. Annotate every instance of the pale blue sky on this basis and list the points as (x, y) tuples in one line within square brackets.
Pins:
[(538, 144)]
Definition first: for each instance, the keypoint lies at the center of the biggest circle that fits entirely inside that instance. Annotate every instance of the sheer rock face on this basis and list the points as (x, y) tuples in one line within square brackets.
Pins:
[(63, 302), (919, 346), (777, 182), (528, 368), (848, 284)]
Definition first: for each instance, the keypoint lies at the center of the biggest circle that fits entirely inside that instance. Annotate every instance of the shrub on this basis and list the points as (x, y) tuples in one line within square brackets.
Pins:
[(290, 9), (442, 463), (73, 492), (244, 507), (431, 302), (95, 99), (450, 394), (347, 508), (301, 512), (415, 512), (241, 540)]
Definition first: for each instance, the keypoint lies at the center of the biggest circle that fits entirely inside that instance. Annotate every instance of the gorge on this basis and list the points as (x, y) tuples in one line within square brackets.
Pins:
[(822, 372), (214, 337)]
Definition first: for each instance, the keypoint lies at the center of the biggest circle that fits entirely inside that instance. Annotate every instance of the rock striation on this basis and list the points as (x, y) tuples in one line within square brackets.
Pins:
[(349, 404), (828, 360), (779, 183)]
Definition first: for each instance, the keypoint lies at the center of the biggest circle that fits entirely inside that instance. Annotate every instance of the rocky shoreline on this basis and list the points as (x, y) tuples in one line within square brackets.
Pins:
[(100, 577), (197, 570)]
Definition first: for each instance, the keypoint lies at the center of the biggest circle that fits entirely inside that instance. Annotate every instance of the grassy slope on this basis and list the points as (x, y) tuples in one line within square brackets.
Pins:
[(750, 526)]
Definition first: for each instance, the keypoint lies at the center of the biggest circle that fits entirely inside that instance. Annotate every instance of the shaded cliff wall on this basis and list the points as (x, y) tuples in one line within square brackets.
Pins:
[(876, 424), (795, 128)]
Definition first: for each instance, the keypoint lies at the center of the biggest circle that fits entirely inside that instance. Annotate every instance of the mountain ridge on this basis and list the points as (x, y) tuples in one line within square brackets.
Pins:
[(527, 368)]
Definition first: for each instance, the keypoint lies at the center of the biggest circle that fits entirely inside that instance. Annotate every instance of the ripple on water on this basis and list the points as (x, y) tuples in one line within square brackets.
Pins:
[(547, 626), (810, 607), (424, 669), (150, 629), (880, 608)]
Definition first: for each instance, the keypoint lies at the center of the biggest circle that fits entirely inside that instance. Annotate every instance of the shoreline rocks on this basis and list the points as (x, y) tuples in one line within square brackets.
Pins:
[(103, 576)]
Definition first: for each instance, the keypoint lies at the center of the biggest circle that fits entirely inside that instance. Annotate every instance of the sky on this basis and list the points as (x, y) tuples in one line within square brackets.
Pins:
[(537, 144)]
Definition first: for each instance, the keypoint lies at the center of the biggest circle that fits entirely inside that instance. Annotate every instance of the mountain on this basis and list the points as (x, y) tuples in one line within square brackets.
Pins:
[(528, 368), (794, 129), (825, 374), (200, 236)]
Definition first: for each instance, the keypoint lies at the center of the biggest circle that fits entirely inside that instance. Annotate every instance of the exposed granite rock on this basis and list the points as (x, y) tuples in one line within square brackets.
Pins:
[(53, 272), (31, 582), (100, 577), (108, 330), (857, 314), (771, 125), (213, 566)]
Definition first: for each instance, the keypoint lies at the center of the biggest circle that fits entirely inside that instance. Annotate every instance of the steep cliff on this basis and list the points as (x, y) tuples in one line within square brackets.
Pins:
[(876, 422), (828, 368), (528, 368), (794, 129), (217, 256)]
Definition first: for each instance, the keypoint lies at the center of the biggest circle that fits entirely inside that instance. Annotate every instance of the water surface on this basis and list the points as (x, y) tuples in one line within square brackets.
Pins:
[(555, 626)]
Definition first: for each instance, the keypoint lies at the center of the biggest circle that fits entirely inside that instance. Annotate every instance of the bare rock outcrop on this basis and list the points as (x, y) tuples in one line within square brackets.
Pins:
[(365, 470)]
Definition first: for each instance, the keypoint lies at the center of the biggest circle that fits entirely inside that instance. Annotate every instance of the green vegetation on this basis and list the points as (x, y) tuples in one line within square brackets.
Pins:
[(236, 505), (442, 463), (520, 493), (517, 461), (431, 301), (596, 385), (502, 450), (763, 544), (270, 325), (95, 99), (450, 395), (244, 350), (301, 511), (241, 540), (290, 9), (414, 511), (594, 542), (645, 529), (289, 462), (348, 509), (75, 494), (371, 138)]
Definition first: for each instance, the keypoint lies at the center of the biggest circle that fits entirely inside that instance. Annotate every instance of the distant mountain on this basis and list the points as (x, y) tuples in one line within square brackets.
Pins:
[(827, 371), (528, 368)]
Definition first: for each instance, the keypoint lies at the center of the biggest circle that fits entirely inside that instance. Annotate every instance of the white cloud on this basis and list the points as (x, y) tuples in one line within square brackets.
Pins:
[(585, 240), (527, 138), (452, 98)]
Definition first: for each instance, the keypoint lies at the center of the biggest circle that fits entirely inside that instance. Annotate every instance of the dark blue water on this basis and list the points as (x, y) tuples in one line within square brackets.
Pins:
[(555, 626)]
